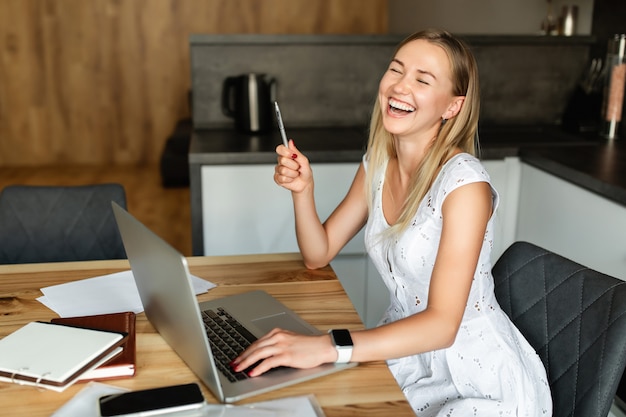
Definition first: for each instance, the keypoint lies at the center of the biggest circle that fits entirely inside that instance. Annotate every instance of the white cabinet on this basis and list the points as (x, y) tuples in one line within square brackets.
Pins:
[(245, 212), (505, 178), (616, 411), (571, 221), (538, 207)]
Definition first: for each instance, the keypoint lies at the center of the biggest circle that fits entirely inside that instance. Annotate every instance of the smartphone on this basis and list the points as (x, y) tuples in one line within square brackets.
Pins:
[(281, 126), (152, 402)]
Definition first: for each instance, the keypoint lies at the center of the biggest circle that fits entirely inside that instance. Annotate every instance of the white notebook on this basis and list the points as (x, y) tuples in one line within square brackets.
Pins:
[(54, 356)]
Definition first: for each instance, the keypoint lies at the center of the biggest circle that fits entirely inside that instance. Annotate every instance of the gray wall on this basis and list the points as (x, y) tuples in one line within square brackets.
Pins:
[(326, 80)]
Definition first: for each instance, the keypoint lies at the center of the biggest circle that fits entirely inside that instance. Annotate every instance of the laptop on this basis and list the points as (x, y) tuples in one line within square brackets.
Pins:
[(162, 277)]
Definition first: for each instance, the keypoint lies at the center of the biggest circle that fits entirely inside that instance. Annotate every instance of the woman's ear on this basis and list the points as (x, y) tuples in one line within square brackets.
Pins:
[(454, 108)]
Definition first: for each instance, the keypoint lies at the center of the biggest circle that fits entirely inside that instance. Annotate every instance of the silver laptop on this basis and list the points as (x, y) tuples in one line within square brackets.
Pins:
[(162, 277)]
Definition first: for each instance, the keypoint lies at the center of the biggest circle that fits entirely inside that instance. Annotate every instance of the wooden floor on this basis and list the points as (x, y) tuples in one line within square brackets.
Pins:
[(166, 211)]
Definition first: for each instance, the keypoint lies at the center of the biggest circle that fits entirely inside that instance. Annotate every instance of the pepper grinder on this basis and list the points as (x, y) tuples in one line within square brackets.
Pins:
[(614, 83), (568, 20)]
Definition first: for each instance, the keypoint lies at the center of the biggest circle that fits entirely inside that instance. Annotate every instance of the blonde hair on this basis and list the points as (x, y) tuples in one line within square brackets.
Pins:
[(457, 132)]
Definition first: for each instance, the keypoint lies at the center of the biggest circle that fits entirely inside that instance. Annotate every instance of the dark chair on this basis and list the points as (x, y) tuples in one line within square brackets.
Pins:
[(59, 223), (574, 317)]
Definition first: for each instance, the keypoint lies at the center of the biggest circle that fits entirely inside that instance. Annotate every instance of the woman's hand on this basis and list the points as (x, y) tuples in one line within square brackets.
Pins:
[(284, 348), (293, 171)]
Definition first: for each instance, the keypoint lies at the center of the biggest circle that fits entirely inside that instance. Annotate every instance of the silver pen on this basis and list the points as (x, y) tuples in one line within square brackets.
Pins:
[(281, 126)]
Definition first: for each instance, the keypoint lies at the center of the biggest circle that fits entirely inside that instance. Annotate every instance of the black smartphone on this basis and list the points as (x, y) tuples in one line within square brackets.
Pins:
[(154, 401)]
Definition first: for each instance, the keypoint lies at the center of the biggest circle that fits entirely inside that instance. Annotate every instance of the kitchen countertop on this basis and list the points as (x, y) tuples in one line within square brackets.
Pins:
[(319, 144), (600, 168), (591, 162)]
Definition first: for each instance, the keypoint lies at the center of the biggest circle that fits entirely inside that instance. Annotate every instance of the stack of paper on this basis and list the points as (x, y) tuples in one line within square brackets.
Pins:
[(113, 293)]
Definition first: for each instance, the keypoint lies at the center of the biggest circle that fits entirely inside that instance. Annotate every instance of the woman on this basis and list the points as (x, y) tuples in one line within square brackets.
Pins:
[(428, 207)]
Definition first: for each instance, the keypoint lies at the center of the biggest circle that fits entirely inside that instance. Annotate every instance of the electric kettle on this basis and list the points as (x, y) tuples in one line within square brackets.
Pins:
[(248, 100)]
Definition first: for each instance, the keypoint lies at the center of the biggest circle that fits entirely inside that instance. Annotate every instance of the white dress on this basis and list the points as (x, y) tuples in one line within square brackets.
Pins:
[(490, 370)]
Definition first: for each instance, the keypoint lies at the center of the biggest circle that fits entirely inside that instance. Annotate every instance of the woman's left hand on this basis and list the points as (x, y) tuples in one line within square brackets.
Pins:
[(284, 348)]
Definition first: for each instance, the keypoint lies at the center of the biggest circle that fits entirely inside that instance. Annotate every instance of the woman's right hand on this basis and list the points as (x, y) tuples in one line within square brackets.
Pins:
[(292, 171)]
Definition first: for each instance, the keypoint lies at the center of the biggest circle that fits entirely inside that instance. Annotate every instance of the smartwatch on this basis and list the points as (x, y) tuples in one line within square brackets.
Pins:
[(343, 343)]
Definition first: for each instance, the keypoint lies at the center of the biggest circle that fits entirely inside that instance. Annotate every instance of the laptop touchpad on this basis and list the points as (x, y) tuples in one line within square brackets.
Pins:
[(282, 320)]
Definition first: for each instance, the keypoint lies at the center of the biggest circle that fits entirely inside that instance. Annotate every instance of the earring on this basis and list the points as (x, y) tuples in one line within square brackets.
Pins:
[(443, 121)]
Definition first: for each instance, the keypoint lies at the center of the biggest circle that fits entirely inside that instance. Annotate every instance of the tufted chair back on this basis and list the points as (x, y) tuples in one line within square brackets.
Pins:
[(574, 317), (59, 223)]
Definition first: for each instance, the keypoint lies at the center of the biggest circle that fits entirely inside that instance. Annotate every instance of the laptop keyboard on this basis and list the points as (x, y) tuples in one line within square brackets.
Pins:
[(228, 338)]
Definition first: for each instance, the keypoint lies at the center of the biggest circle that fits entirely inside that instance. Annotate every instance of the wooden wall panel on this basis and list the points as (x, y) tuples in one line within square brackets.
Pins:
[(104, 81)]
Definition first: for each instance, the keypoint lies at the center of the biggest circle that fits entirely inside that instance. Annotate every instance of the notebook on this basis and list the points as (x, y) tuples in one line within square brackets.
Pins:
[(122, 366), (54, 356), (164, 284)]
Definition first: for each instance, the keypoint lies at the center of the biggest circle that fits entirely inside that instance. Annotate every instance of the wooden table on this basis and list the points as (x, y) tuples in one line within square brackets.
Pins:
[(366, 390)]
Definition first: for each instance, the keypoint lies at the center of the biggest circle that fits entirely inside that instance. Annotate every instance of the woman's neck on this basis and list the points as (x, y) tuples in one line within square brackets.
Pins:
[(409, 156)]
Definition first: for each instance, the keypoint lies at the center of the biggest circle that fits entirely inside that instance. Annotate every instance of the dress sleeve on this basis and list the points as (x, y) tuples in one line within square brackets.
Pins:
[(465, 169)]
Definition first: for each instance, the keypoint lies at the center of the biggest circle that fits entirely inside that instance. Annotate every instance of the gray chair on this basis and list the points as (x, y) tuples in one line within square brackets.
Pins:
[(574, 317), (59, 223)]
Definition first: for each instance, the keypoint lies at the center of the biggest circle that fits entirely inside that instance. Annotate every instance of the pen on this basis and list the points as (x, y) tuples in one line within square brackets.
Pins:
[(281, 126)]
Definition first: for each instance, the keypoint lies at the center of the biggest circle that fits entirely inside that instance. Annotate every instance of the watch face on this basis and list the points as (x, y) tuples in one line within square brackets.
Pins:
[(342, 337)]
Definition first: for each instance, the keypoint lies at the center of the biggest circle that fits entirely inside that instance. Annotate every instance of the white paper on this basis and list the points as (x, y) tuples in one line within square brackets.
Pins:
[(112, 293), (302, 406), (85, 404)]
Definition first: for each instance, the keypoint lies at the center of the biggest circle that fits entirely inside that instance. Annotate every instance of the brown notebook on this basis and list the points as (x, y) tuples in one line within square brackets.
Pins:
[(123, 365)]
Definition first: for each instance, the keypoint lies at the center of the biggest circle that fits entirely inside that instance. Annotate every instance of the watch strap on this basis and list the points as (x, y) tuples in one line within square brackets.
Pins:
[(344, 354), (343, 344)]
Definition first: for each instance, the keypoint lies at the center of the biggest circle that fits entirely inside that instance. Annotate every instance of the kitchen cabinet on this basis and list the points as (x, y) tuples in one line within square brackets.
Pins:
[(571, 221), (245, 212), (505, 178), (543, 209)]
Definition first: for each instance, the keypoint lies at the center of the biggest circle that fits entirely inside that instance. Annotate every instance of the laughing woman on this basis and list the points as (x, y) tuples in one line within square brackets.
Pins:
[(428, 208)]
